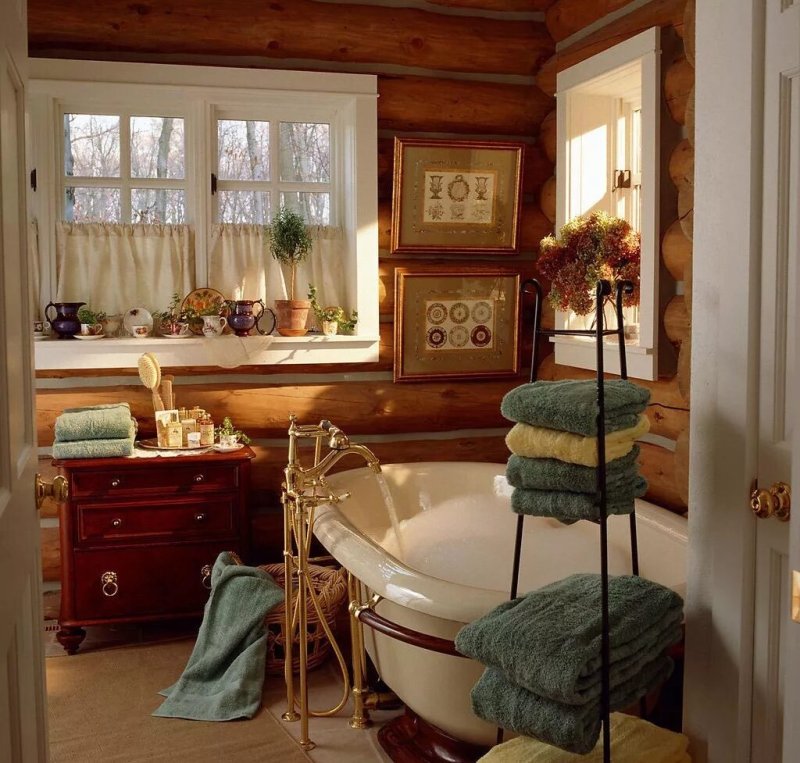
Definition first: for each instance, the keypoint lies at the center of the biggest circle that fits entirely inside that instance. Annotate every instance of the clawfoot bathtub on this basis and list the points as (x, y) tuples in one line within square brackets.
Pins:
[(452, 564)]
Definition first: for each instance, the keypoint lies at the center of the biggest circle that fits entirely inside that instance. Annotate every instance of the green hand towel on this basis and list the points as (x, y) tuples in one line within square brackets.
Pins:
[(552, 474), (570, 507), (224, 677), (99, 422), (548, 641), (94, 448), (572, 728), (571, 405)]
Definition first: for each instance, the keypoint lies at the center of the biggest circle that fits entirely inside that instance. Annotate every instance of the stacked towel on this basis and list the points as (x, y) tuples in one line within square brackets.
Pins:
[(555, 447), (543, 655), (101, 431), (633, 740)]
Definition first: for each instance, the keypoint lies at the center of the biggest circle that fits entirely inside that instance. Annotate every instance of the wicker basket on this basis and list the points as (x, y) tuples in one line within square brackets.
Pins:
[(331, 589)]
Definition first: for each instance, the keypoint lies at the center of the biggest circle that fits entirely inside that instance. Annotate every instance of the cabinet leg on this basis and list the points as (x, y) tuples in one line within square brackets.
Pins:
[(71, 638)]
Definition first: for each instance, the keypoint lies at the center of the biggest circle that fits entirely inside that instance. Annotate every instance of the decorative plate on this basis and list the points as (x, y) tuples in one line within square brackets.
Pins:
[(227, 448), (200, 300), (152, 444), (137, 316), (90, 336)]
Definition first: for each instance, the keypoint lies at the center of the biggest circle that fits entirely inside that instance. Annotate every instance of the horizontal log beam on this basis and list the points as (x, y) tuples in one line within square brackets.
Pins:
[(508, 6), (676, 250), (658, 468), (301, 29), (547, 199), (548, 136), (678, 84), (681, 165), (565, 17), (677, 325)]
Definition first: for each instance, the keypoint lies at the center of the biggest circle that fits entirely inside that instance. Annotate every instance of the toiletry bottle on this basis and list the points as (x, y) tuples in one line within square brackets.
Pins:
[(206, 430), (174, 432), (188, 425)]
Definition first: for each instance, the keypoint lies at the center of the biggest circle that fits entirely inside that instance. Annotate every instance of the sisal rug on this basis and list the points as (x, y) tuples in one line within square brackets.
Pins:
[(99, 706)]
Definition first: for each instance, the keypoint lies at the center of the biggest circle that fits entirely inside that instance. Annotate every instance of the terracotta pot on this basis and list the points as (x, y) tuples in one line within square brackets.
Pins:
[(292, 316)]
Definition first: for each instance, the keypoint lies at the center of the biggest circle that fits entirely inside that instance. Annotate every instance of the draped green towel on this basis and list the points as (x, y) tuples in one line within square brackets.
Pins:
[(570, 507), (98, 422), (552, 474), (570, 727), (548, 641), (95, 448), (571, 405), (224, 677)]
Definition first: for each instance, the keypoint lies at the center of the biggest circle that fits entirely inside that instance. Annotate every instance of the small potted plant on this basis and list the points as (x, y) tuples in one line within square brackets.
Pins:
[(332, 319), (228, 436), (290, 244), (91, 322), (174, 322)]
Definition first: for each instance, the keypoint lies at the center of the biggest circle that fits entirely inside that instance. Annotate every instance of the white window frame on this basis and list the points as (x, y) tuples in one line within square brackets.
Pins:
[(198, 95), (645, 48)]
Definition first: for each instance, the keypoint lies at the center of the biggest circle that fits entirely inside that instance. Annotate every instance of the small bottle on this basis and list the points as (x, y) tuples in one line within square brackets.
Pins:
[(174, 433), (188, 425), (206, 426), (196, 413)]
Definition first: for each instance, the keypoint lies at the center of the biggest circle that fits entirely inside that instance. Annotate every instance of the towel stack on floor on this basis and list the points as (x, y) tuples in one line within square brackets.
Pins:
[(100, 431), (542, 652), (554, 446)]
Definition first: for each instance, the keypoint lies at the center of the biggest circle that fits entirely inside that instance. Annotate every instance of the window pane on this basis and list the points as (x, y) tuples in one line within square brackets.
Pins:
[(315, 207), (157, 147), (305, 152), (91, 145), (158, 205), (91, 205), (243, 149), (244, 207)]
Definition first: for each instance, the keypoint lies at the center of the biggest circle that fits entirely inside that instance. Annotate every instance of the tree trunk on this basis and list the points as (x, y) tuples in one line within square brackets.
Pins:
[(162, 169), (69, 163), (252, 154)]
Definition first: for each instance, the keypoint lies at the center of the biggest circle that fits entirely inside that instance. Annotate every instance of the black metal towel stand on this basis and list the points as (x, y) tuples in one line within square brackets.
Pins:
[(598, 332)]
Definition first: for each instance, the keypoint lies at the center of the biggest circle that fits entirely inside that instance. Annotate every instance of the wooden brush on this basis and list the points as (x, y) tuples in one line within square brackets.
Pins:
[(150, 374), (166, 391)]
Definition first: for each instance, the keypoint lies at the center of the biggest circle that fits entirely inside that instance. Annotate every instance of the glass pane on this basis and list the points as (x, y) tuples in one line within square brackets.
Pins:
[(158, 205), (91, 145), (243, 149), (157, 147), (244, 207), (305, 152), (315, 207), (91, 205)]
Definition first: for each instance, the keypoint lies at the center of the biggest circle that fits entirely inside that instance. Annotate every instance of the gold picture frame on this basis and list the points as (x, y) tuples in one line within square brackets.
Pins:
[(460, 323), (456, 196)]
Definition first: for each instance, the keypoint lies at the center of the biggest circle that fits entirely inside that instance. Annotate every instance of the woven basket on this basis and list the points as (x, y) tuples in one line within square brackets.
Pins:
[(331, 588)]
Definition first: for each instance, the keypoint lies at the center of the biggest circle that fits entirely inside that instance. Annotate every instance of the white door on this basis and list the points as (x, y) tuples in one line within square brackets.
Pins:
[(22, 707), (774, 736)]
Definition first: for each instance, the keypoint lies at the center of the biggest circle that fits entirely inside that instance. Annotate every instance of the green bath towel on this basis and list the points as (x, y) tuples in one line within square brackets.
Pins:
[(572, 728), (548, 641), (98, 422), (94, 448), (552, 474), (570, 507), (571, 405), (224, 677)]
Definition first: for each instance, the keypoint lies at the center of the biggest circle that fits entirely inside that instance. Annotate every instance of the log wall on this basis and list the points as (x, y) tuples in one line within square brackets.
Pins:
[(446, 68)]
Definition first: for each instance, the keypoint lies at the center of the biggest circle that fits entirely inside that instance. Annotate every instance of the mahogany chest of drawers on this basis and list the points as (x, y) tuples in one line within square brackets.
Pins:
[(139, 536)]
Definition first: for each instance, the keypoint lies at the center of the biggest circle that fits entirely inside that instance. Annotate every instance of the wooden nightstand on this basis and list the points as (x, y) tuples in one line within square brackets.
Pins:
[(139, 536)]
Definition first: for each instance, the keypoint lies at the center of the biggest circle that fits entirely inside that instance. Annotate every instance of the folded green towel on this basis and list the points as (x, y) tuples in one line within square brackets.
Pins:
[(548, 641), (99, 422), (571, 405), (224, 676), (572, 728), (570, 507), (94, 448), (552, 474)]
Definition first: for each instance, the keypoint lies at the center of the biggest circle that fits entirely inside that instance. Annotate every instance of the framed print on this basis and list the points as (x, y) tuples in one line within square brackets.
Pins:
[(456, 196), (460, 323)]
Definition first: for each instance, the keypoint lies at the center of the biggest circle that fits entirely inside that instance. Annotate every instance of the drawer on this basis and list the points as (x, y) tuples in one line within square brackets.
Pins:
[(157, 521), (145, 480), (158, 581)]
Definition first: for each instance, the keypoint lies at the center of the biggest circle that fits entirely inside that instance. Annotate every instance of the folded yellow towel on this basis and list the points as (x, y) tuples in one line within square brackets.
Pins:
[(538, 442), (632, 741)]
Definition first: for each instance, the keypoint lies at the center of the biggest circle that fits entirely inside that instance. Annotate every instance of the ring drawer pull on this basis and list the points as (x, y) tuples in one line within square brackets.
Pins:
[(198, 478), (109, 583), (205, 571), (116, 522), (116, 482), (200, 517)]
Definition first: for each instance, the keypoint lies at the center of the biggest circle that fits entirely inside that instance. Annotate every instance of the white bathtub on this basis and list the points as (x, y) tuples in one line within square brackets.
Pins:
[(459, 532)]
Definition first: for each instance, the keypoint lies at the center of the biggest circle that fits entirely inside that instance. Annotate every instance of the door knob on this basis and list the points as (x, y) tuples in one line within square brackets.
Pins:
[(775, 501), (58, 489)]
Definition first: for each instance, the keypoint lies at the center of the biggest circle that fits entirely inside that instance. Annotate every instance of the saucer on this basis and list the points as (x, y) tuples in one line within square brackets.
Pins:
[(227, 449), (190, 335), (90, 336), (39, 337)]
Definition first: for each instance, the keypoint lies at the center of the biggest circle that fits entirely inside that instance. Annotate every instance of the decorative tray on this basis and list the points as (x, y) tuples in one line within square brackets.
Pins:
[(152, 443)]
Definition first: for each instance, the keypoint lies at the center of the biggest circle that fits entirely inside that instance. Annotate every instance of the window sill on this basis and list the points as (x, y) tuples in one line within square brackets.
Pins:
[(225, 352), (581, 352)]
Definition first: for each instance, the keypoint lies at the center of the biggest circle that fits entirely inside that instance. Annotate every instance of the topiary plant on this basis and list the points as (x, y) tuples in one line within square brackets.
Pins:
[(290, 241)]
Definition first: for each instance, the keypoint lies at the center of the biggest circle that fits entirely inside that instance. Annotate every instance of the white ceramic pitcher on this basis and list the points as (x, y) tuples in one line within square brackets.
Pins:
[(213, 325)]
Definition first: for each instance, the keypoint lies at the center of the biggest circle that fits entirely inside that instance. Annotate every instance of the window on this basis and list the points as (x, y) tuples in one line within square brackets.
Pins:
[(209, 155), (608, 137)]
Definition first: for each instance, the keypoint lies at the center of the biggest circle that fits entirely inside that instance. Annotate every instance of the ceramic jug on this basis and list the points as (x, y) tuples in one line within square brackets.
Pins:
[(242, 320), (213, 325), (66, 322)]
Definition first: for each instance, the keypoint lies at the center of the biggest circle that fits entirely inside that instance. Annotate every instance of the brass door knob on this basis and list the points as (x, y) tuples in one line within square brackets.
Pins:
[(58, 489), (775, 501)]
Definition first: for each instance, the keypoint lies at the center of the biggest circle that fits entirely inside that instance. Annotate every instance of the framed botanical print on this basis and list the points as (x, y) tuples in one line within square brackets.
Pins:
[(456, 196), (460, 323)]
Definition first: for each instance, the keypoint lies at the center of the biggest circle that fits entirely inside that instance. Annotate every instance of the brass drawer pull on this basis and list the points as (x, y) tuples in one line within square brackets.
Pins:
[(109, 583), (116, 482), (198, 478), (200, 517), (205, 571), (116, 522)]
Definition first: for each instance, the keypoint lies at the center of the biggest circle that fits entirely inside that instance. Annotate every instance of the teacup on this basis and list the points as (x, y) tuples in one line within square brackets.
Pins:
[(228, 440), (140, 331), (38, 327), (91, 329), (176, 329), (213, 325)]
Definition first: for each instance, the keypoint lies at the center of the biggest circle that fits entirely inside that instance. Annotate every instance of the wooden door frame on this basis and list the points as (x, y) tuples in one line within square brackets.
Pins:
[(724, 382)]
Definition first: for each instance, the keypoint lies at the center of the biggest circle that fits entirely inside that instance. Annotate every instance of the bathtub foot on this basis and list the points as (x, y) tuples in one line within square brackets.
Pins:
[(309, 745), (290, 716), (410, 739)]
